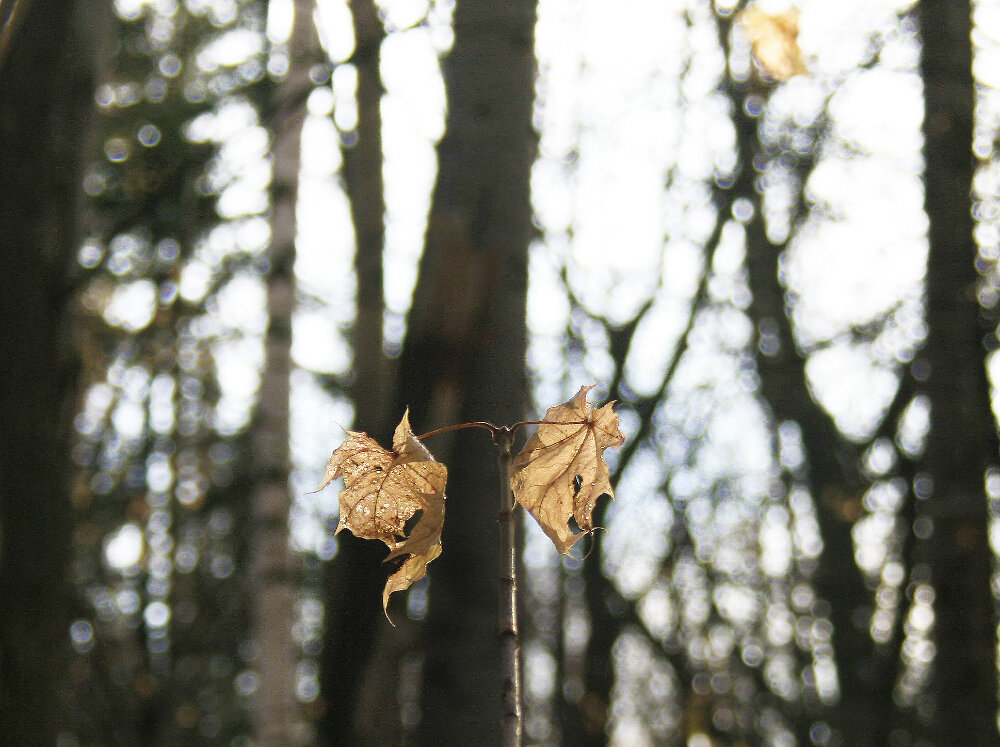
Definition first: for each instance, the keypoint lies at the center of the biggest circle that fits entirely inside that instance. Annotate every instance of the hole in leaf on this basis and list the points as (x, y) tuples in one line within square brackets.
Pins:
[(397, 562), (412, 522)]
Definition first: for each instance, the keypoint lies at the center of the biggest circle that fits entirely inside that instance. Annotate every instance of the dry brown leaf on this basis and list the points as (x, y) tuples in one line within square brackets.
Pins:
[(774, 40), (383, 490), (560, 473)]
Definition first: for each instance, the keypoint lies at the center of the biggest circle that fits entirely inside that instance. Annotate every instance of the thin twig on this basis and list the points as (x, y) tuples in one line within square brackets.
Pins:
[(497, 431), (510, 640), (493, 429)]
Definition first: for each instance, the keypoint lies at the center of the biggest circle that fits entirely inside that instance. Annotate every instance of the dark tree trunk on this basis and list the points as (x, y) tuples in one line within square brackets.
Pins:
[(963, 439), (356, 576), (45, 94), (832, 475), (834, 483), (463, 359), (863, 714), (464, 353)]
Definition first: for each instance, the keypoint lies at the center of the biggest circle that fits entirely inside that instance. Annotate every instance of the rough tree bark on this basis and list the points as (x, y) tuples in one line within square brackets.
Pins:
[(277, 718), (45, 88), (962, 443)]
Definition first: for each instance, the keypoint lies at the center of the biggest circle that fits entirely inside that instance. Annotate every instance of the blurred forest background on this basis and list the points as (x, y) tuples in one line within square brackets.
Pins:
[(232, 228)]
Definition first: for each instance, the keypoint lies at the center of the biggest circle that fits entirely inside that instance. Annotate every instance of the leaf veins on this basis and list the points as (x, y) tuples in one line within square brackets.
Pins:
[(560, 473), (383, 490)]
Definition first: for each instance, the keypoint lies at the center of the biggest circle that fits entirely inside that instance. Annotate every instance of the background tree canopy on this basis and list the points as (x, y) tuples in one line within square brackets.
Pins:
[(234, 228)]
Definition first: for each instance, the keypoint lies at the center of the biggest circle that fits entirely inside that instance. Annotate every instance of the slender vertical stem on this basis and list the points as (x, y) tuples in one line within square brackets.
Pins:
[(510, 640)]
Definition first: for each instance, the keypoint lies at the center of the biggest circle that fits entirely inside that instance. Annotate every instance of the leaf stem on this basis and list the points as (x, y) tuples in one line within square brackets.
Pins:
[(510, 640), (496, 431), (493, 429)]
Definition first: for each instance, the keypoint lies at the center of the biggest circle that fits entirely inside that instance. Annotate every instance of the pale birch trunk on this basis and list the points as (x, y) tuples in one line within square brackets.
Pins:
[(277, 718)]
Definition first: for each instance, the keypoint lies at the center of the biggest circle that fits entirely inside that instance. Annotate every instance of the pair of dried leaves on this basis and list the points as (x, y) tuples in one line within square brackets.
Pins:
[(559, 474)]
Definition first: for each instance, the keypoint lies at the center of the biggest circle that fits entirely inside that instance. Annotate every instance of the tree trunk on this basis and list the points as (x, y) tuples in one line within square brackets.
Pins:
[(356, 576), (277, 718), (832, 473), (962, 443), (365, 190), (45, 100), (463, 358)]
